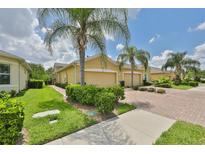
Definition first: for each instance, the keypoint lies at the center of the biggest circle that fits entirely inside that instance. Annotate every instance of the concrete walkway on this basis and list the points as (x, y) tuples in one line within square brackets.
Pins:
[(60, 90), (134, 127)]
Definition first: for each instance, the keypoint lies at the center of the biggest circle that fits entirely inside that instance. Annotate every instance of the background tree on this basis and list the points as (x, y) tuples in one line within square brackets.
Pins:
[(131, 55), (85, 27), (39, 72), (179, 63), (49, 73)]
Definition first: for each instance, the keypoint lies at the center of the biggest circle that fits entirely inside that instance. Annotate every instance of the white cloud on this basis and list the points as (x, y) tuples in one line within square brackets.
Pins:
[(133, 13), (199, 27), (198, 54), (18, 36), (109, 37), (43, 30), (158, 61), (119, 46), (154, 38)]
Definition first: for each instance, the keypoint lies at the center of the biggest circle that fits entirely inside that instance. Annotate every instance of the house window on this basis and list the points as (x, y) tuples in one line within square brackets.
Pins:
[(4, 74)]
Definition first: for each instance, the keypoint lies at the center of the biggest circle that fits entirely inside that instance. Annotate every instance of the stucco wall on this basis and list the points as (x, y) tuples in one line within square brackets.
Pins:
[(157, 76), (17, 81), (93, 67)]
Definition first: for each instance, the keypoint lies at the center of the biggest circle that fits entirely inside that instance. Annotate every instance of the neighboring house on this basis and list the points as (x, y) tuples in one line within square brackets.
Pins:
[(97, 73), (13, 72), (56, 67), (157, 73)]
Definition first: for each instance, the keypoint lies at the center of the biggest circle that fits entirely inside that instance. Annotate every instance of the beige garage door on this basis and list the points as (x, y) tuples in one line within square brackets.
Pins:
[(101, 79), (136, 79)]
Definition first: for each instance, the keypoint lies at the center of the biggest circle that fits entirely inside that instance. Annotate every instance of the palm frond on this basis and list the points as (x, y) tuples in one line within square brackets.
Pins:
[(58, 30)]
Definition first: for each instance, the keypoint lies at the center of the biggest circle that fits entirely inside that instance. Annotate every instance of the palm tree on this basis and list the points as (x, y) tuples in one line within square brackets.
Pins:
[(144, 57), (85, 27), (193, 68), (179, 63), (131, 54)]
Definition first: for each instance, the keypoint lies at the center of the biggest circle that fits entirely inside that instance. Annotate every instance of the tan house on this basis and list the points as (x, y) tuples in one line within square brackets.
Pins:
[(13, 72), (98, 74), (157, 73)]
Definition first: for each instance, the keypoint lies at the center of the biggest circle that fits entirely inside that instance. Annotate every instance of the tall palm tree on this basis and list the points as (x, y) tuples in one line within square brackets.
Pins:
[(193, 68), (131, 55), (85, 27), (179, 63), (143, 57)]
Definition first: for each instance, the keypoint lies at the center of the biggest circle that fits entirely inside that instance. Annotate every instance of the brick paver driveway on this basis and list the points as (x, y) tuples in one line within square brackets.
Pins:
[(187, 105)]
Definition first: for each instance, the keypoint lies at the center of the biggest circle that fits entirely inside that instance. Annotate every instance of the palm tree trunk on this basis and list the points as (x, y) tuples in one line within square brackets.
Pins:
[(145, 75), (132, 69), (82, 67)]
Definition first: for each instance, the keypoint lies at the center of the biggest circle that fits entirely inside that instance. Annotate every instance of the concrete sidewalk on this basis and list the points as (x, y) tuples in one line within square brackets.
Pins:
[(134, 127), (60, 90)]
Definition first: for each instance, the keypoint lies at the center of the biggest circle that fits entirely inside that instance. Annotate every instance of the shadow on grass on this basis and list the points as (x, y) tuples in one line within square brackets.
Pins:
[(54, 104)]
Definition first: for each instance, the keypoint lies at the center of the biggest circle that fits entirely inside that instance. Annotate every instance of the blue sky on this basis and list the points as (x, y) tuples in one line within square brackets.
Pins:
[(159, 31), (172, 29)]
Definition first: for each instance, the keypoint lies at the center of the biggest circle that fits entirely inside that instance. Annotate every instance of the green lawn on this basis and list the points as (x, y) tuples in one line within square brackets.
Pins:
[(124, 107), (183, 133), (181, 87), (40, 131)]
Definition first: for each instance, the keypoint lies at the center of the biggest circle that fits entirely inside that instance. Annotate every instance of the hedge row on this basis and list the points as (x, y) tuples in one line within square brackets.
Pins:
[(11, 119), (102, 98), (163, 82), (32, 83), (190, 83), (62, 85)]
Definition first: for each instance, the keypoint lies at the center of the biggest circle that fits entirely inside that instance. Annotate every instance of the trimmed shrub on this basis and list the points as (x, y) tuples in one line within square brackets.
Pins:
[(4, 95), (163, 82), (190, 83), (164, 85), (74, 91), (151, 89), (105, 102), (61, 85), (117, 91), (161, 91), (82, 94), (142, 89), (146, 83), (185, 82), (177, 81), (136, 88), (86, 94), (193, 83), (13, 93), (11, 119), (202, 81), (38, 84)]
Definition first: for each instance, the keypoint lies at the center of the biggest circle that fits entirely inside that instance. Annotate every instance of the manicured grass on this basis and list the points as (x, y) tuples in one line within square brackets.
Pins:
[(40, 131), (183, 133), (124, 107), (181, 87)]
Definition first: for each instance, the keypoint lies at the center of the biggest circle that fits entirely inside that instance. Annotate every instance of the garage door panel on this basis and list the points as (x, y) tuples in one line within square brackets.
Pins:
[(101, 79), (136, 79)]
